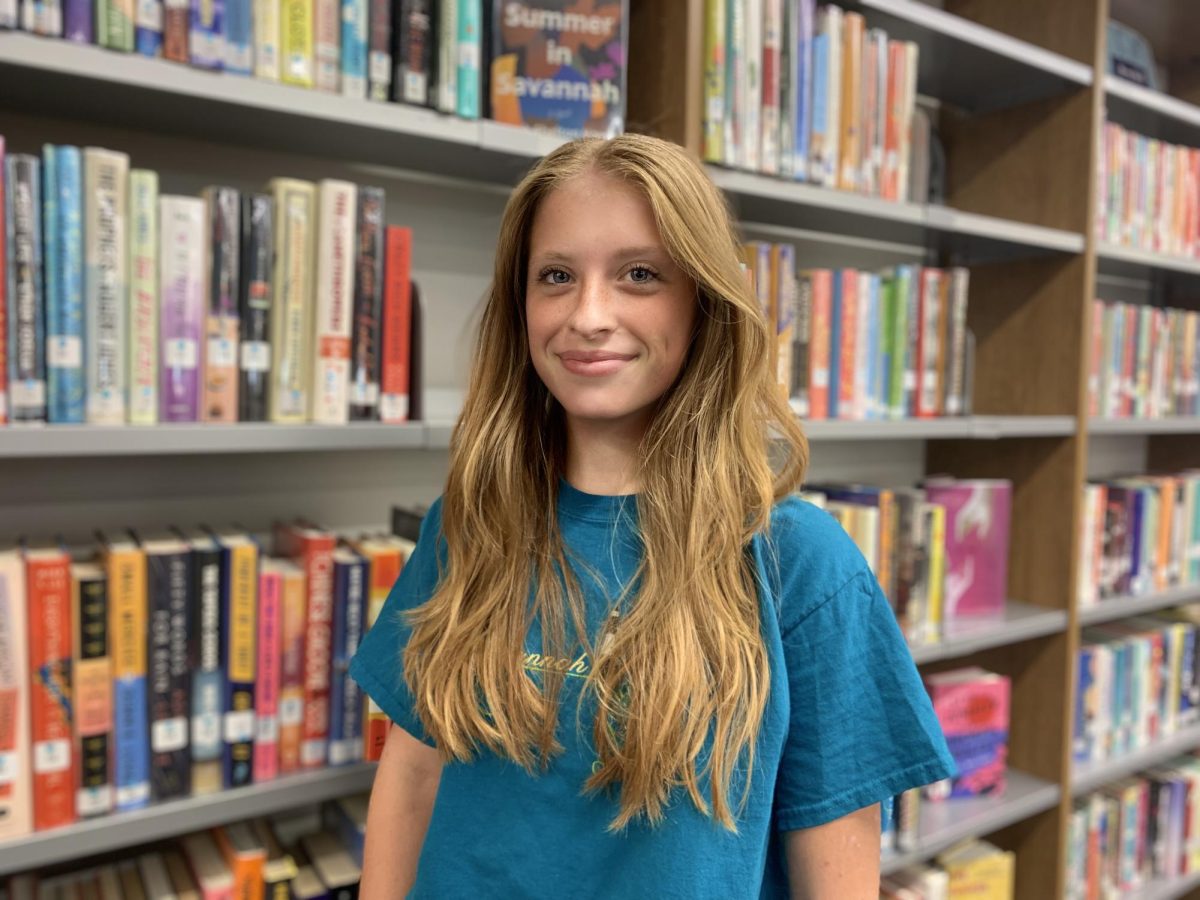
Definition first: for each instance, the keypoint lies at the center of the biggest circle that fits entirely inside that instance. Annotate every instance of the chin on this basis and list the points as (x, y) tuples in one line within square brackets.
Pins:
[(596, 410)]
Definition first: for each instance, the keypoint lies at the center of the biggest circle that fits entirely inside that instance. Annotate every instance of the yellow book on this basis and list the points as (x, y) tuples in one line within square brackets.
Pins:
[(291, 309), (979, 871), (239, 570), (932, 626), (849, 171), (714, 81), (296, 17)]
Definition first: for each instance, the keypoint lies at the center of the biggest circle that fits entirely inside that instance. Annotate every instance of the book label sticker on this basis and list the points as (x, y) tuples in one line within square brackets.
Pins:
[(256, 356), (64, 351), (181, 353), (168, 735), (291, 711), (239, 726), (51, 756)]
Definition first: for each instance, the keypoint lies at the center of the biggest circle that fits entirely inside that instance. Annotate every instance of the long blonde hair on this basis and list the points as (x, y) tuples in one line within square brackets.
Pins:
[(685, 668)]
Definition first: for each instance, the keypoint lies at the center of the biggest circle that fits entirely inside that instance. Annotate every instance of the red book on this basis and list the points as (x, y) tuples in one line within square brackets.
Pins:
[(266, 684), (397, 324), (48, 593), (848, 362), (818, 376), (312, 549)]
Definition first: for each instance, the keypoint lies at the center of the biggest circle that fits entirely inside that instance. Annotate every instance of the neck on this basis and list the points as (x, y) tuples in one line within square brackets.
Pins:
[(602, 456)]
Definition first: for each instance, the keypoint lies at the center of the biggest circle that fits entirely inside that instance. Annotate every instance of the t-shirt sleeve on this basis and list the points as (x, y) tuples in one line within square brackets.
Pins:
[(378, 666), (861, 726)]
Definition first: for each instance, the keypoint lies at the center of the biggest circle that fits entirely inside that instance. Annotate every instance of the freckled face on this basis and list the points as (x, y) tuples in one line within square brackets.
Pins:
[(610, 316)]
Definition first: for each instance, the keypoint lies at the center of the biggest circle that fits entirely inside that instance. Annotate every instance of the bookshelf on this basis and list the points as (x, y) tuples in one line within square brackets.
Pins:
[(1088, 776), (1165, 425), (1021, 622), (164, 820), (1114, 608)]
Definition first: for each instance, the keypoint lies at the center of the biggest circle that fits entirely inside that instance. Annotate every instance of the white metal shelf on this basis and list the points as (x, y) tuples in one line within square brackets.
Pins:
[(1151, 113), (1130, 262), (70, 80), (1113, 608), (1021, 622), (1165, 425), (968, 427), (945, 823), (1166, 888), (967, 237), (1088, 776), (972, 66), (163, 820)]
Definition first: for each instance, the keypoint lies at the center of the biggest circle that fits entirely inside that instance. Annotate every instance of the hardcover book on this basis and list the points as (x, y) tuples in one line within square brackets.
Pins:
[(978, 513), (972, 706)]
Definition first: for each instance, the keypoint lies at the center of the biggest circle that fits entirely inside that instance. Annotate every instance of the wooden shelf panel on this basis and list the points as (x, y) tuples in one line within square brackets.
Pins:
[(969, 65), (944, 824), (1151, 113), (1113, 608), (1021, 622), (1089, 776), (176, 817)]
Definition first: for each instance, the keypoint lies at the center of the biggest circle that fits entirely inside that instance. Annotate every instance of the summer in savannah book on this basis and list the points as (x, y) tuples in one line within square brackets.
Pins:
[(972, 706)]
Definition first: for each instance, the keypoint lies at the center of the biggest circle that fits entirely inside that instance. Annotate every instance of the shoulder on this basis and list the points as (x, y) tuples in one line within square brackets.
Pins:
[(808, 559)]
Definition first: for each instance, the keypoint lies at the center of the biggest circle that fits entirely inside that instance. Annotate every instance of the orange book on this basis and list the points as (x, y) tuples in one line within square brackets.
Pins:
[(246, 856), (894, 104), (312, 549), (222, 218), (293, 624), (16, 796), (1166, 518), (48, 589), (818, 354), (395, 379), (848, 359), (887, 529), (850, 147)]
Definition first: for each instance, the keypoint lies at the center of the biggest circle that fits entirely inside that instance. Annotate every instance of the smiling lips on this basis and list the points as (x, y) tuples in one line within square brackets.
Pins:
[(593, 362)]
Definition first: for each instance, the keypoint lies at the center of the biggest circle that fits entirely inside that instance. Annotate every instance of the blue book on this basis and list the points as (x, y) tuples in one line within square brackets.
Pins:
[(354, 48), (239, 37), (345, 696), (818, 111), (208, 678), (1081, 746), (803, 59), (239, 661), (51, 267), (63, 227), (835, 341), (147, 29), (1140, 578), (206, 34), (470, 52)]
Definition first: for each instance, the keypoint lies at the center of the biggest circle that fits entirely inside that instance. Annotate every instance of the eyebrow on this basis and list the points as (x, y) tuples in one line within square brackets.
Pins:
[(620, 253)]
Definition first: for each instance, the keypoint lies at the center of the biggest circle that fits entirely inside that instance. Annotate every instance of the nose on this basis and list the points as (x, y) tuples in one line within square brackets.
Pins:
[(593, 312)]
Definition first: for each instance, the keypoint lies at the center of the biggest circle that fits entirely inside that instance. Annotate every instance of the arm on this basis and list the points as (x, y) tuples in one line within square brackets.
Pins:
[(837, 859), (406, 784)]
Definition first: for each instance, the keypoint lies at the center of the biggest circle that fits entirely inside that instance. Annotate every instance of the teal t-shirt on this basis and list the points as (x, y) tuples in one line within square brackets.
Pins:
[(847, 724)]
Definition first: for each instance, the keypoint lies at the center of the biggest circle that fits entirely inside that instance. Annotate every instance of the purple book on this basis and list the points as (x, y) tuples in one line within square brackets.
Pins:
[(78, 21), (181, 268), (978, 513)]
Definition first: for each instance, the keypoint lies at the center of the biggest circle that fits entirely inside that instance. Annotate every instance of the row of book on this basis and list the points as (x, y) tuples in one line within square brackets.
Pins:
[(1145, 361), (1149, 193), (1138, 683), (970, 870), (939, 551), (314, 853), (1140, 535), (130, 306), (183, 663), (858, 345), (811, 94), (545, 63), (1137, 830)]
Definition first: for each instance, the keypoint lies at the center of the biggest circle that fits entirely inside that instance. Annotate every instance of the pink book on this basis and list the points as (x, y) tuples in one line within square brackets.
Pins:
[(266, 686), (972, 706), (978, 513)]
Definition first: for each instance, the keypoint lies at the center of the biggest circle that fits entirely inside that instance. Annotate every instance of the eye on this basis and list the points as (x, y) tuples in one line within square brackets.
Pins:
[(642, 275), (554, 276)]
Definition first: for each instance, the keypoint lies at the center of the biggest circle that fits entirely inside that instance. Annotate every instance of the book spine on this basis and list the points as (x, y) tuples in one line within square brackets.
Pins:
[(49, 598), (255, 315), (445, 74), (106, 283), (64, 326), (293, 619), (384, 569), (16, 779), (849, 352), (379, 61), (169, 583), (78, 21), (114, 24), (735, 83), (93, 706), (714, 81), (208, 684), (822, 324), (207, 34), (327, 37), (222, 217), (239, 37), (50, 270), (181, 273), (148, 27), (955, 375), (143, 297), (772, 38), (785, 315), (335, 302), (318, 564), (9, 14), (266, 685), (295, 227), (911, 339), (176, 27), (296, 47), (6, 291), (266, 31), (469, 58), (753, 59), (345, 715), (240, 590), (354, 48), (26, 357), (368, 306), (801, 386), (413, 51), (127, 630), (397, 326)]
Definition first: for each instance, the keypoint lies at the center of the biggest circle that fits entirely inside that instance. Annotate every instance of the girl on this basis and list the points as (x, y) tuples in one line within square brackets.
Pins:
[(622, 661)]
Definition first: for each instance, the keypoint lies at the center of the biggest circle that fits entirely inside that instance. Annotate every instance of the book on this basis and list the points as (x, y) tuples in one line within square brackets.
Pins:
[(327, 44), (131, 880), (206, 34), (978, 869), (48, 599), (65, 378), (5, 291), (270, 655), (412, 51), (79, 23), (395, 378), (182, 881), (169, 591), (354, 30), (246, 857), (544, 74), (279, 868), (385, 557), (181, 318), (296, 44), (148, 27), (115, 24), (772, 46), (222, 219), (208, 675), (213, 874), (239, 37), (333, 865), (293, 284), (16, 775), (444, 86), (266, 30), (26, 309), (715, 102), (254, 296), (346, 817), (978, 513), (143, 297), (239, 628), (293, 628), (350, 574), (469, 59), (156, 880), (972, 706), (106, 283), (379, 57), (334, 309), (177, 16), (751, 100), (367, 332), (92, 697)]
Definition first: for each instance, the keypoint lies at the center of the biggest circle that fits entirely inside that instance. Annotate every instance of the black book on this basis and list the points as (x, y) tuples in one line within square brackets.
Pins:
[(366, 347), (257, 263), (413, 37), (26, 313)]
